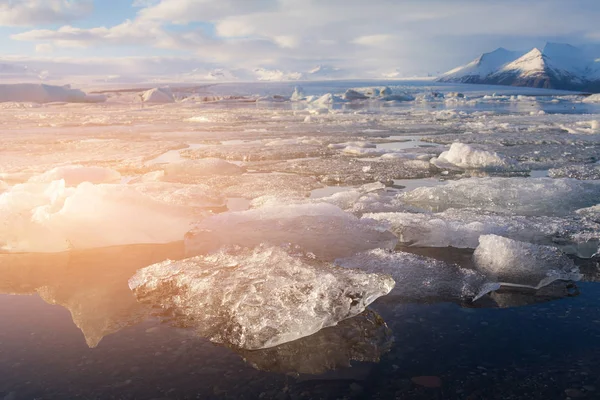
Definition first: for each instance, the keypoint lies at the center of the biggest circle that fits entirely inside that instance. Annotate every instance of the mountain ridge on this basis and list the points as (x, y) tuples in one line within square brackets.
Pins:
[(556, 66)]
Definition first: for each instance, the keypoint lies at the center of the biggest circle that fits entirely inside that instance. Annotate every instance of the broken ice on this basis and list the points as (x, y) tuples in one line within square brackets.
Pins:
[(516, 263), (255, 299)]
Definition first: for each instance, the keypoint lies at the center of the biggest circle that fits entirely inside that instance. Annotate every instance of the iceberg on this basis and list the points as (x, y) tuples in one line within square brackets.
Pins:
[(321, 229), (257, 298), (521, 264), (422, 278)]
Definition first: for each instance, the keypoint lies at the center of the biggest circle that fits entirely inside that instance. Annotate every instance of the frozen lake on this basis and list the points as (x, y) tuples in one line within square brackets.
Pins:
[(397, 240)]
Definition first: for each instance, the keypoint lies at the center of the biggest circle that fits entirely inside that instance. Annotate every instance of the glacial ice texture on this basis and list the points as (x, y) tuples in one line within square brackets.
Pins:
[(255, 299), (515, 263)]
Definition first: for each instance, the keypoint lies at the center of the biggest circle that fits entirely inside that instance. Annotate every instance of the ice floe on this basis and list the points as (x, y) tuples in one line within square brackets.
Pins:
[(525, 196), (321, 229), (422, 278), (461, 228)]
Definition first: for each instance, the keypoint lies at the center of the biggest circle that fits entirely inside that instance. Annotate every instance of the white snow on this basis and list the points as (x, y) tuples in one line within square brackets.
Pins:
[(255, 299)]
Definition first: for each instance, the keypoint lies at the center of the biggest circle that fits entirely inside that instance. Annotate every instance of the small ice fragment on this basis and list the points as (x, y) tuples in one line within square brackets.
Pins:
[(523, 264)]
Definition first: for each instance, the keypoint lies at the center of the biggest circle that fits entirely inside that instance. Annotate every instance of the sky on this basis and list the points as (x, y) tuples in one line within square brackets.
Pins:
[(277, 39)]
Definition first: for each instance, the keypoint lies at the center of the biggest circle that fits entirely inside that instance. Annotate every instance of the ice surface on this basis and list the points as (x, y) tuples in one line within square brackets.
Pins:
[(41, 93), (256, 299), (522, 264), (422, 278), (49, 217), (583, 172), (157, 95), (73, 175), (322, 229), (467, 156), (365, 337), (352, 171), (197, 170), (462, 228), (525, 196)]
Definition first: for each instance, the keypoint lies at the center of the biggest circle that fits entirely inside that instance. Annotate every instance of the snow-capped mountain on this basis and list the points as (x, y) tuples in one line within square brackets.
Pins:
[(557, 66), (481, 67)]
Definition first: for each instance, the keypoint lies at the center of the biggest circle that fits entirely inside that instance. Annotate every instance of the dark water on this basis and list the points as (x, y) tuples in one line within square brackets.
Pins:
[(71, 329)]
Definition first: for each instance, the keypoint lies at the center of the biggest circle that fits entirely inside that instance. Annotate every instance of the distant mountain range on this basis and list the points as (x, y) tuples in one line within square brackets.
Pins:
[(556, 66)]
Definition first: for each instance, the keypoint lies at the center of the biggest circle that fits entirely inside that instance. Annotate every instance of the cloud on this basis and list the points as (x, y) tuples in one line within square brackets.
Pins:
[(44, 48), (39, 12), (375, 36)]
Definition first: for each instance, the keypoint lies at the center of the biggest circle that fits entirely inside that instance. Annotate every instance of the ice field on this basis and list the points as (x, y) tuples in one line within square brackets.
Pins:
[(312, 240)]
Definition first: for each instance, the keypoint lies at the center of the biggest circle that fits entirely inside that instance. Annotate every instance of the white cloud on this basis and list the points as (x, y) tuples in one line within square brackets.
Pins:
[(374, 40), (375, 36), (36, 12), (44, 48)]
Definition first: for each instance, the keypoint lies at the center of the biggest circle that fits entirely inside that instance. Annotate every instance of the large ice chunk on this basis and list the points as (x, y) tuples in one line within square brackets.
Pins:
[(461, 228), (422, 278), (255, 299), (322, 229), (525, 196), (464, 156), (516, 263), (38, 217), (365, 337)]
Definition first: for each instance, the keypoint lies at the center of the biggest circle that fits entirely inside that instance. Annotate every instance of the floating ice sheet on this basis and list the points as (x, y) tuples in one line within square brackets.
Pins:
[(522, 264), (422, 278), (322, 229), (255, 299), (49, 217), (461, 228), (525, 196)]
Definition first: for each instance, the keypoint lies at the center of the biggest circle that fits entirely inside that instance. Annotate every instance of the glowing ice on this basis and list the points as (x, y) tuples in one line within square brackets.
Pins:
[(516, 263), (255, 299)]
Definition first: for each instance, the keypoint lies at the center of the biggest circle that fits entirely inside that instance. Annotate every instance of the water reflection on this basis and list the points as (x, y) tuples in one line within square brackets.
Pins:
[(365, 337), (91, 284)]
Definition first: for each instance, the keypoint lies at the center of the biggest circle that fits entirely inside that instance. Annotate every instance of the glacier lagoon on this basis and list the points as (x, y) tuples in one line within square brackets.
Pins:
[(399, 240)]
